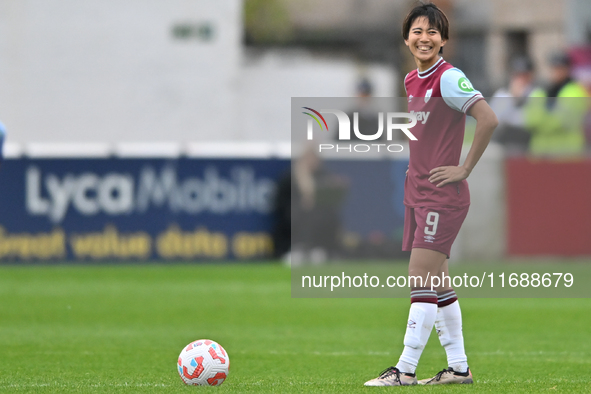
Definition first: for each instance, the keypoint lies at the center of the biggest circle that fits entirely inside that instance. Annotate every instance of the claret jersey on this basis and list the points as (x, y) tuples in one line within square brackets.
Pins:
[(440, 97)]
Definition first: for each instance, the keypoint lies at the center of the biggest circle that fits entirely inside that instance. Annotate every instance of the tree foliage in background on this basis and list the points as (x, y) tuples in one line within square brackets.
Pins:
[(267, 22)]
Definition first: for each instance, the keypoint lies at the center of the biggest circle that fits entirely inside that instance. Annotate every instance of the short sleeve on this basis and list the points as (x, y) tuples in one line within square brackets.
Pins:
[(457, 91)]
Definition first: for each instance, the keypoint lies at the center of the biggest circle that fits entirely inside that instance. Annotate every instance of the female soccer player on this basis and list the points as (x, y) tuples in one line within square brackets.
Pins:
[(436, 194)]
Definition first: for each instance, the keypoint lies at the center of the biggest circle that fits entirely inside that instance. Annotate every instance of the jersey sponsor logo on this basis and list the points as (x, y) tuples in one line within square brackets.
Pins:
[(465, 85), (428, 95), (421, 116)]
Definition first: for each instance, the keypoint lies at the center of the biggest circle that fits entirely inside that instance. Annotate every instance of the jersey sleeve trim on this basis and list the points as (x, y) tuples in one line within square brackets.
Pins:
[(457, 91), (477, 97)]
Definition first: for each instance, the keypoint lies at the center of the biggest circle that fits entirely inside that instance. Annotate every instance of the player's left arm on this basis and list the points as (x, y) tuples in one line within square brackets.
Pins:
[(486, 122)]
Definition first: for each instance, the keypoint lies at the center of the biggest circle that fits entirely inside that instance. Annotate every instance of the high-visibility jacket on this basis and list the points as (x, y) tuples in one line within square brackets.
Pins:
[(557, 128)]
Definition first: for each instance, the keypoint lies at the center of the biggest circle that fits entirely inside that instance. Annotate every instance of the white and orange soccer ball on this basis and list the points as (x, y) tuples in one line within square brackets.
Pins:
[(203, 363)]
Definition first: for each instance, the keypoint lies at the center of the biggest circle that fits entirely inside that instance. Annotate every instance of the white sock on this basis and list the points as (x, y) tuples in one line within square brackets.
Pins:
[(420, 323), (449, 329)]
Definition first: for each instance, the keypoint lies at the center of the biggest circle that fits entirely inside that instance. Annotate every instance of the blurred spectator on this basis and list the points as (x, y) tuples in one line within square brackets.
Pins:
[(316, 198), (555, 116), (2, 134), (582, 72), (509, 103), (368, 120), (587, 131), (282, 216)]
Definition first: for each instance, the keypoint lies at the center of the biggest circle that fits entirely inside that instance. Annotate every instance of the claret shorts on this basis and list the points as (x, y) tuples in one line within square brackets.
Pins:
[(432, 228)]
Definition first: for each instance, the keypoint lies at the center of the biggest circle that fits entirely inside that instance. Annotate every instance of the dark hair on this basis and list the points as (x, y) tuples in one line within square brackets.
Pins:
[(434, 15), (560, 59), (522, 64)]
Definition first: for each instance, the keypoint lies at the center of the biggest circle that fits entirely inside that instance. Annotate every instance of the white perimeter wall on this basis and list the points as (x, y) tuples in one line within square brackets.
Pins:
[(111, 71), (483, 235)]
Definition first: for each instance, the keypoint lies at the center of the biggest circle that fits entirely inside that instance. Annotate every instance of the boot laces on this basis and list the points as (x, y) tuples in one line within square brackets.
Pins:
[(389, 372), (440, 374)]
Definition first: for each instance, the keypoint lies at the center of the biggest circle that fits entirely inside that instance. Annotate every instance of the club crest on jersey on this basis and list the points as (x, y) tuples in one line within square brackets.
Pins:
[(410, 98), (428, 95)]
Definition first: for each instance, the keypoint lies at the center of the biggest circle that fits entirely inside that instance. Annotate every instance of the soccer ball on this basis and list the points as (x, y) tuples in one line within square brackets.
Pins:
[(203, 363)]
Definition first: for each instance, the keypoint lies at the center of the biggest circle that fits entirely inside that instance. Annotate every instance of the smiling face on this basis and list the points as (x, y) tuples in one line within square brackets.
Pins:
[(424, 42)]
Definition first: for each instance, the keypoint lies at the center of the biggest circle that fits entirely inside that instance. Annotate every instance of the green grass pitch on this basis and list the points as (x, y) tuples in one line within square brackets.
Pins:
[(120, 329)]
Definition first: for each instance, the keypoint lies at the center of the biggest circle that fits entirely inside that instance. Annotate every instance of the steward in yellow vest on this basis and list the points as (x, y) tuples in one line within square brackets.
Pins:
[(555, 116)]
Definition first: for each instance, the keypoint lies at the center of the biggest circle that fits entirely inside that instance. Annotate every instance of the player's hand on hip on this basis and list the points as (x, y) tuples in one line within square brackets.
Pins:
[(448, 174)]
